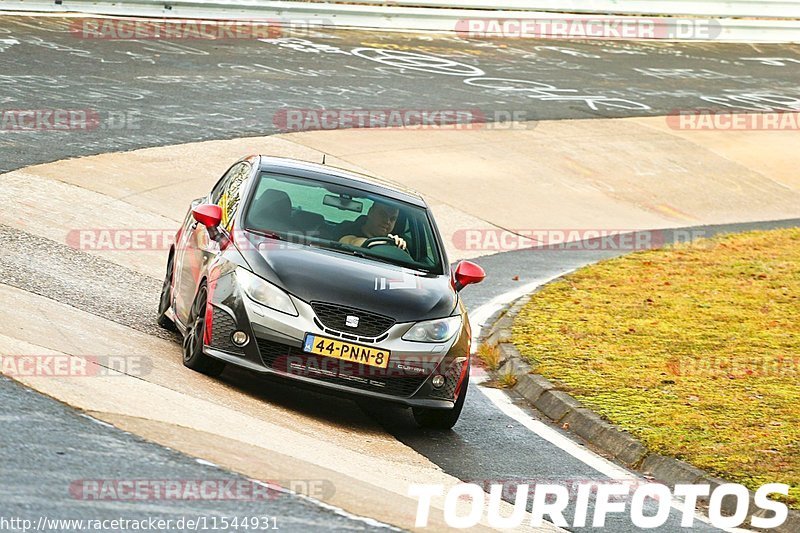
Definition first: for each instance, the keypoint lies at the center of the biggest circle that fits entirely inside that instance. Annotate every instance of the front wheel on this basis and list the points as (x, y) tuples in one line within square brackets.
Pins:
[(441, 418), (193, 356), (165, 300)]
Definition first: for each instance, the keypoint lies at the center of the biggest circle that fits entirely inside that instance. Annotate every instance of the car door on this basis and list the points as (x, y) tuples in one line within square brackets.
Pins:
[(195, 248)]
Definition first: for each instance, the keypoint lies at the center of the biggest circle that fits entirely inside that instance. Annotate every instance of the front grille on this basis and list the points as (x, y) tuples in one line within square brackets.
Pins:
[(354, 338), (334, 316), (293, 360), (222, 326)]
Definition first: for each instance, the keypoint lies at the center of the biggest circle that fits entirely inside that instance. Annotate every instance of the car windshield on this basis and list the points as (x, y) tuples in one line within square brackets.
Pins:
[(343, 219)]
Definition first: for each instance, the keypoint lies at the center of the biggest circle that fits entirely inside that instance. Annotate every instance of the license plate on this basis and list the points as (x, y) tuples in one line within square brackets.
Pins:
[(356, 353)]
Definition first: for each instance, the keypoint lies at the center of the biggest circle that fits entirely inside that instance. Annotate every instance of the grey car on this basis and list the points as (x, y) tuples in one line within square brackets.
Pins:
[(324, 277)]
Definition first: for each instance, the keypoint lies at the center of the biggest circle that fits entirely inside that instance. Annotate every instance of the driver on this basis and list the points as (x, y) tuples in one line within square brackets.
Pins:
[(381, 219)]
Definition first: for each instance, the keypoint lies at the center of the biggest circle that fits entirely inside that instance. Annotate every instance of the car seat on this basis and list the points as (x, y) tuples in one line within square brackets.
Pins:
[(271, 210)]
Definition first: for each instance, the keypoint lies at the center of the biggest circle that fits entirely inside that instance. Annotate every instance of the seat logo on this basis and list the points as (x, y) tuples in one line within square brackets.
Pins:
[(351, 321)]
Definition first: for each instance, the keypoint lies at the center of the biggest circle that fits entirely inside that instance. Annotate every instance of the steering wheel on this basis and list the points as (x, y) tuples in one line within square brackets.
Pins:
[(377, 241)]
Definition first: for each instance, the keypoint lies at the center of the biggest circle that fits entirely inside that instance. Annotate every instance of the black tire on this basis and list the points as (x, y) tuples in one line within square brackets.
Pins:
[(442, 419), (165, 299), (193, 356)]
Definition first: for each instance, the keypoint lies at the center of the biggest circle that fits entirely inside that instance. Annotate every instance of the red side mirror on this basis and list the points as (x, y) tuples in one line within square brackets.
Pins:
[(208, 215), (467, 273)]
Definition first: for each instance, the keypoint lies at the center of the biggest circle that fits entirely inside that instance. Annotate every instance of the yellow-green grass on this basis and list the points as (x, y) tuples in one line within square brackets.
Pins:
[(490, 355), (507, 380), (694, 349)]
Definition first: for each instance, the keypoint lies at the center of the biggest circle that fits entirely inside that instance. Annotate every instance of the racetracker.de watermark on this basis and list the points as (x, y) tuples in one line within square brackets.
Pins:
[(121, 239), (149, 239), (67, 120), (610, 28), (177, 30), (471, 239), (73, 366), (451, 119), (356, 369), (571, 239), (709, 119), (197, 489), (730, 367)]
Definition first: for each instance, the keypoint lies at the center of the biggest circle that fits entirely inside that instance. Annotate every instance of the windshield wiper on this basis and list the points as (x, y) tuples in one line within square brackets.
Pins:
[(386, 260), (267, 233), (346, 249), (343, 248)]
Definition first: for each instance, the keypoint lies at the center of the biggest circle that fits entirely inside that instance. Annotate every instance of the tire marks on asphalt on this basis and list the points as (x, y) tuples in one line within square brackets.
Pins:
[(81, 280)]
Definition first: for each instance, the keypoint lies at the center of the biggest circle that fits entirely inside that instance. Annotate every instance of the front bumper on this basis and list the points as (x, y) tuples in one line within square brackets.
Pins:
[(275, 347)]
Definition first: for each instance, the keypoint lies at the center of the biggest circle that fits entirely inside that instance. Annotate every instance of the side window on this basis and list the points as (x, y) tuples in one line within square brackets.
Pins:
[(231, 190), (415, 238), (421, 241), (216, 192)]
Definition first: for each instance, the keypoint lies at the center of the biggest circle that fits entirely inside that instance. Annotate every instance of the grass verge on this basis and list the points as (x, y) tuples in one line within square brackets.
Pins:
[(490, 355), (694, 349)]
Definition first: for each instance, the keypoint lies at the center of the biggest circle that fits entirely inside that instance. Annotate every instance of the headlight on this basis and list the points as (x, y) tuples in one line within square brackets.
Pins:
[(264, 292), (439, 330)]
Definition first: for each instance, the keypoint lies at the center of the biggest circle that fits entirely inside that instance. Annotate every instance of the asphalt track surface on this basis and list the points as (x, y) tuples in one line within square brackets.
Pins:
[(198, 90), (48, 448), (153, 93)]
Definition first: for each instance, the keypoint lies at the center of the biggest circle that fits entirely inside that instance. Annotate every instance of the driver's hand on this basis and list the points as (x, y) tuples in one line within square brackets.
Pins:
[(398, 241)]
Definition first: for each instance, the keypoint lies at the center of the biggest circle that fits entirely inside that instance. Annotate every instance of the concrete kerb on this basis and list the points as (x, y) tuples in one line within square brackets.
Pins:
[(572, 416)]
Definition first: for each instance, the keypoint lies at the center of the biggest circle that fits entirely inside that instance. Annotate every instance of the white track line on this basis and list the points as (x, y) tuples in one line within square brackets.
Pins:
[(336, 510), (503, 402), (479, 316)]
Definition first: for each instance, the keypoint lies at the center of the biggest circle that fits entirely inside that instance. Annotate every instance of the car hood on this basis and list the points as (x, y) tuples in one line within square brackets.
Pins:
[(313, 274)]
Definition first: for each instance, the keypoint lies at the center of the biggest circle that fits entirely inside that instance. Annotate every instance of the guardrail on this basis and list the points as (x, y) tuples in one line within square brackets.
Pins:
[(707, 8), (772, 20)]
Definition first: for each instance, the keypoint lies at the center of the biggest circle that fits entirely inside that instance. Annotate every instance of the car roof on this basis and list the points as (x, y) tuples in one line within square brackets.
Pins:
[(341, 176)]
